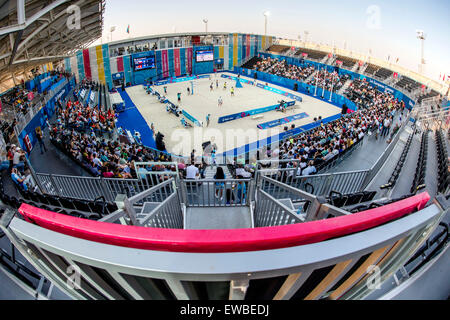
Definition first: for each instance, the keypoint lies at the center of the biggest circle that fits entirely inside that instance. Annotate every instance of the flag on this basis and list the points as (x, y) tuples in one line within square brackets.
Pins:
[(397, 60), (128, 29), (423, 88), (395, 75), (304, 55)]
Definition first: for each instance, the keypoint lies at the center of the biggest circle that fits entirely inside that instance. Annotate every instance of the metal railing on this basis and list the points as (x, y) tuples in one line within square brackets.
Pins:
[(88, 188), (322, 184), (269, 212), (24, 119), (167, 215), (382, 159), (217, 193)]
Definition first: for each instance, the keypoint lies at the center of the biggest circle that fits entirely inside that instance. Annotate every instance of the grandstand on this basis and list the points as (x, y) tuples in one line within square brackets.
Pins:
[(312, 54), (383, 73), (371, 69), (330, 175), (346, 62), (277, 49)]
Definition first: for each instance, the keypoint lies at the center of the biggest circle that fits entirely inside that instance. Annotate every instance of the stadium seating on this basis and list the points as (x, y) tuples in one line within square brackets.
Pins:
[(251, 63), (408, 84), (419, 177), (443, 162), (312, 54), (371, 69), (400, 164), (383, 73), (347, 62), (340, 200), (278, 49)]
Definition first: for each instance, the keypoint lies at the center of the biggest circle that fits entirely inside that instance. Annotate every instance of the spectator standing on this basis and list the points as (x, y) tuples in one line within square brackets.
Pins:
[(40, 139)]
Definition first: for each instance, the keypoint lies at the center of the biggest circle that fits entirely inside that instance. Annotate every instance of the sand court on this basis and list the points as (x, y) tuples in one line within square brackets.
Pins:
[(204, 101)]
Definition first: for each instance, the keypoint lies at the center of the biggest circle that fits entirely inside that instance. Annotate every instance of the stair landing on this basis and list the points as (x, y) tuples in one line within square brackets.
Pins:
[(218, 218)]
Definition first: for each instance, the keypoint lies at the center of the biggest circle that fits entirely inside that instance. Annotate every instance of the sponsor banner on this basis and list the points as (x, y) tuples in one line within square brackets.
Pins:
[(280, 122), (235, 79), (59, 96), (189, 53), (176, 55), (284, 93), (165, 63), (87, 64), (253, 112), (381, 86), (182, 79), (191, 118), (259, 85)]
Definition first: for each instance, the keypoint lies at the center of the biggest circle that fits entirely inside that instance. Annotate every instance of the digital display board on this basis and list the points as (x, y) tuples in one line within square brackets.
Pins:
[(142, 63), (204, 56)]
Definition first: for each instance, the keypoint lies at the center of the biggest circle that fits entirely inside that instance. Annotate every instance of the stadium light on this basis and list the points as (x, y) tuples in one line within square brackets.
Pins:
[(266, 15), (422, 37), (113, 28), (205, 21)]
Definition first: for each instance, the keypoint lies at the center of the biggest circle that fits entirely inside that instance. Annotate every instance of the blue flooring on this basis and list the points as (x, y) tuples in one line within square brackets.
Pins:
[(131, 119)]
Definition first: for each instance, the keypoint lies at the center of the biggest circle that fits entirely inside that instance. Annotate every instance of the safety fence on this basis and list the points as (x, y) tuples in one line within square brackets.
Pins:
[(23, 120), (269, 212), (217, 193), (165, 207), (322, 184), (167, 215)]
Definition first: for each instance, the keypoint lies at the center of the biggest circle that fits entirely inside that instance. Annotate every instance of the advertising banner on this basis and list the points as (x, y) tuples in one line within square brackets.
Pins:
[(191, 118), (165, 63), (279, 122), (253, 112), (189, 54), (176, 58)]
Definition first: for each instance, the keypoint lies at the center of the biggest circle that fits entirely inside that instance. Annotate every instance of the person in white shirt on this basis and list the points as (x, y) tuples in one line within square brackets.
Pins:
[(18, 153), (311, 169), (242, 172), (192, 172)]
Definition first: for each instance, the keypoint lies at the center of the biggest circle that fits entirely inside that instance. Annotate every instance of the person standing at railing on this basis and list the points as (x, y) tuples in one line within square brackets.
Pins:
[(40, 139), (219, 186)]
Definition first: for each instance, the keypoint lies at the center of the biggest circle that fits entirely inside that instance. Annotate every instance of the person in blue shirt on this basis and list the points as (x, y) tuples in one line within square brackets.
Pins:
[(18, 180), (241, 191), (207, 119)]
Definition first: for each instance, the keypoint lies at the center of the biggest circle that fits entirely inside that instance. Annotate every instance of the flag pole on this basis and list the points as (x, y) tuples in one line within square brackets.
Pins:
[(317, 82)]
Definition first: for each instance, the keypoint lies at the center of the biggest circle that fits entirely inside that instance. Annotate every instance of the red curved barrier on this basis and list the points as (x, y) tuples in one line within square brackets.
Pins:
[(217, 241)]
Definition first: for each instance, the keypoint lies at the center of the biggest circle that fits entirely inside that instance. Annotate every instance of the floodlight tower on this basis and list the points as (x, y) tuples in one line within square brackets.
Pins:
[(306, 36), (113, 28), (205, 21), (422, 37), (266, 16)]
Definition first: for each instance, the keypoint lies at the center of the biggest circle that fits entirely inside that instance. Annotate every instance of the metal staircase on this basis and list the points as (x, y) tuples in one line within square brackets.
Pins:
[(345, 86), (363, 68)]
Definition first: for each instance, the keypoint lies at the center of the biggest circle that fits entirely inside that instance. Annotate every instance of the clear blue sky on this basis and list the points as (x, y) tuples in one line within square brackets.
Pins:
[(390, 28)]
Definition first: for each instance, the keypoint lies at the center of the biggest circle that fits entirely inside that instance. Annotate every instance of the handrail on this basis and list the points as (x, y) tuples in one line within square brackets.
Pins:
[(270, 212), (217, 241), (382, 159), (293, 190)]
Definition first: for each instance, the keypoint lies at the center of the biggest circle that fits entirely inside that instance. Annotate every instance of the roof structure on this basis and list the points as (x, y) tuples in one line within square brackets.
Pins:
[(36, 32)]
